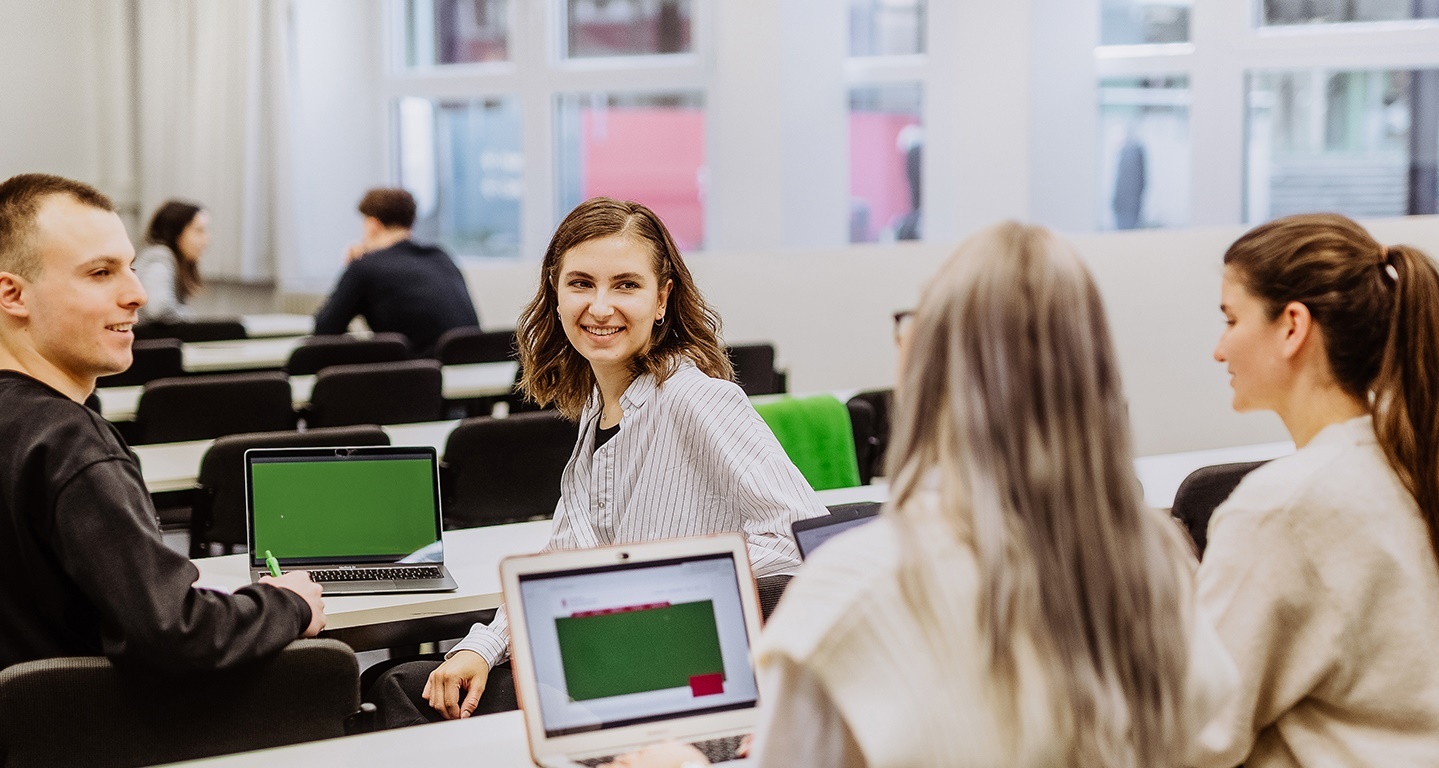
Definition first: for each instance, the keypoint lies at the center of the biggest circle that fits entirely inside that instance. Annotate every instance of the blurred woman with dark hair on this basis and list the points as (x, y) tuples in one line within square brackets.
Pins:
[(169, 268)]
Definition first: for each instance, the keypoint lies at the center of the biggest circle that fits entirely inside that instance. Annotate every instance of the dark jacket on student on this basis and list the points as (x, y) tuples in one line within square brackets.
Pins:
[(407, 288), (83, 571)]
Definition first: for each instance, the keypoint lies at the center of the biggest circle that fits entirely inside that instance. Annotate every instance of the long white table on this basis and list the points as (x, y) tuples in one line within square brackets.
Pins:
[(461, 382), (277, 324), (494, 741), (238, 354)]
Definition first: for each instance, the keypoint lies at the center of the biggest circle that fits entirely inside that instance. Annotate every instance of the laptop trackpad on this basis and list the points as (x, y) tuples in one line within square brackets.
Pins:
[(359, 587)]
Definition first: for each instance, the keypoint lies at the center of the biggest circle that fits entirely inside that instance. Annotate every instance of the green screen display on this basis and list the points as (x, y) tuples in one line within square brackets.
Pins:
[(342, 508), (635, 651)]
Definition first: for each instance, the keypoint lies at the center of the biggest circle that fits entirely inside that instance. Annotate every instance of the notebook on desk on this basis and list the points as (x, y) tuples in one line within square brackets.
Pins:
[(620, 647), (360, 520)]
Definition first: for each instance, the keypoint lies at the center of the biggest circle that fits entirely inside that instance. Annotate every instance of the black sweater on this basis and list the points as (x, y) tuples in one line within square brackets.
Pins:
[(406, 288), (83, 570)]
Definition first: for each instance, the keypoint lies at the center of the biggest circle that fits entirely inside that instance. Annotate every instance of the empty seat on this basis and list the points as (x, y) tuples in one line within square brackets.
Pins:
[(86, 711), (879, 401), (863, 424), (225, 329), (505, 470), (472, 345), (318, 352), (377, 393), (816, 434), (1202, 492), (218, 514), (754, 369), (207, 407), (153, 359)]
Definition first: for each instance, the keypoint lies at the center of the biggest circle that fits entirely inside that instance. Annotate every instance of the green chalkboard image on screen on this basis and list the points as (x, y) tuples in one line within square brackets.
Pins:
[(636, 651), (306, 509)]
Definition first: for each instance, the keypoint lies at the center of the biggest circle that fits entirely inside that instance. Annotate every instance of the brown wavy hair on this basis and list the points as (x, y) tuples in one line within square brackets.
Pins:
[(1379, 309), (553, 372), (166, 226)]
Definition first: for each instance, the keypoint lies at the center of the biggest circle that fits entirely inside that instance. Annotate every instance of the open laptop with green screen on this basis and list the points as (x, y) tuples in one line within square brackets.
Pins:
[(360, 520)]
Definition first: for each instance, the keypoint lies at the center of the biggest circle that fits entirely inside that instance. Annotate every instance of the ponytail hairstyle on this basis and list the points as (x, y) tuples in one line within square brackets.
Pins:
[(552, 371), (1010, 402), (169, 221), (1379, 309)]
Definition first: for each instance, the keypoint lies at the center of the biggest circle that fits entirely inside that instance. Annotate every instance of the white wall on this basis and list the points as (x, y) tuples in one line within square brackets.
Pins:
[(828, 314)]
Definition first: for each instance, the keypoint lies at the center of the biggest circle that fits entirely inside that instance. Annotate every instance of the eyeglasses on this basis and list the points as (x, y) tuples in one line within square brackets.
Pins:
[(902, 321)]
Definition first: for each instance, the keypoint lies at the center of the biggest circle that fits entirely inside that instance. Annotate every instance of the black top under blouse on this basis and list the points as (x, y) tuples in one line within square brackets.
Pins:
[(603, 435)]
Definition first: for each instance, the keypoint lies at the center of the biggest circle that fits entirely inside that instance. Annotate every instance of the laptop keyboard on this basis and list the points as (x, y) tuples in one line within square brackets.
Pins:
[(715, 750), (376, 574)]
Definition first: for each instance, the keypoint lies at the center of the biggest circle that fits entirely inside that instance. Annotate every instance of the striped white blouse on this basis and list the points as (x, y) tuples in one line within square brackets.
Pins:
[(692, 457)]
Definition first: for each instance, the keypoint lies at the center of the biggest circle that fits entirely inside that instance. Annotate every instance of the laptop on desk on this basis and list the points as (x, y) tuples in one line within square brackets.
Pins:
[(621, 647), (811, 532), (360, 520)]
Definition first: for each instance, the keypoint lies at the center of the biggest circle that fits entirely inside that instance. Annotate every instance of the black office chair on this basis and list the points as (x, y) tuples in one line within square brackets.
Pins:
[(862, 422), (879, 401), (219, 329), (1202, 492), (505, 470), (318, 352), (471, 345), (87, 711), (771, 589), (754, 369), (377, 393), (153, 359), (218, 512), (207, 407)]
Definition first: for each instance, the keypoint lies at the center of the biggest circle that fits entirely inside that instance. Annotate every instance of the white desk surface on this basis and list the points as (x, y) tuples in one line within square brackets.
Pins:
[(271, 325), (238, 354), (493, 741), (118, 404), (472, 555), (175, 466)]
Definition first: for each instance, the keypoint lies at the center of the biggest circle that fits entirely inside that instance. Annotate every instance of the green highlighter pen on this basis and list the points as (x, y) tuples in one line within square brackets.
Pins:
[(272, 563)]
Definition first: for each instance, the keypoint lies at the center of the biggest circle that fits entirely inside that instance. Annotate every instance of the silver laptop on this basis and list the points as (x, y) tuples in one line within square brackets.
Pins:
[(620, 647), (810, 533), (360, 520)]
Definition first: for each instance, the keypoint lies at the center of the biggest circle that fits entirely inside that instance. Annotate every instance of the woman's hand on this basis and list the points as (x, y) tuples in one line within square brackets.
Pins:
[(669, 754)]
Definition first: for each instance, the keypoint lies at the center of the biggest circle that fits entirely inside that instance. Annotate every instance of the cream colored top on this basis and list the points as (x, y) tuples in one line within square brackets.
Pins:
[(1321, 581), (851, 678)]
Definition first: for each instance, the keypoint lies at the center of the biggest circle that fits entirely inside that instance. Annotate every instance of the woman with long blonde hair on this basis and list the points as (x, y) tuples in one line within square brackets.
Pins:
[(1016, 604)]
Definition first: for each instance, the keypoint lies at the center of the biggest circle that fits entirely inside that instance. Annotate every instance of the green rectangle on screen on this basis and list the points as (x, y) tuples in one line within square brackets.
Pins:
[(343, 508), (636, 651)]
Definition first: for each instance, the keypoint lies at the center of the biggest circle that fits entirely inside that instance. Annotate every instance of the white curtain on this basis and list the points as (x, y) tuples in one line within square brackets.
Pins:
[(214, 124)]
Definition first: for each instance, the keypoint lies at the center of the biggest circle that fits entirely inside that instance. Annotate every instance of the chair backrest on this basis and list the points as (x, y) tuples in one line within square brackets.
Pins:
[(220, 329), (471, 345), (86, 711), (862, 427), (880, 401), (218, 514), (377, 393), (207, 407), (1202, 492), (816, 433), (771, 589), (318, 352), (153, 359), (754, 369), (505, 470)]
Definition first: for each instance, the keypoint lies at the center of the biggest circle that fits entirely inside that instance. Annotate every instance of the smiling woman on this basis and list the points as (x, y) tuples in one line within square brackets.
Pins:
[(619, 338)]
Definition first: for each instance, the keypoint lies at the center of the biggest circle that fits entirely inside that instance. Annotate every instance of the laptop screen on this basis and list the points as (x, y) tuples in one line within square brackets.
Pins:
[(811, 533), (344, 505), (627, 644)]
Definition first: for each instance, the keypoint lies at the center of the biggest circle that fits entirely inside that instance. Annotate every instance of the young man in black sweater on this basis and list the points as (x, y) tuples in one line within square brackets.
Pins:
[(83, 570)]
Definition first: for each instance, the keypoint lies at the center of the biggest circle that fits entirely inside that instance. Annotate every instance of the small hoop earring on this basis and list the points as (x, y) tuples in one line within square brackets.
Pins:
[(660, 321)]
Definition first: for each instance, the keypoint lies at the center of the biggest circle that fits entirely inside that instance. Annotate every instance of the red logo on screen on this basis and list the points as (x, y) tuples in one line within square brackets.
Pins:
[(707, 685)]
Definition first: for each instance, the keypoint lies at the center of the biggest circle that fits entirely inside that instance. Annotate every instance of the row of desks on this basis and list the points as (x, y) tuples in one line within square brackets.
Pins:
[(461, 382)]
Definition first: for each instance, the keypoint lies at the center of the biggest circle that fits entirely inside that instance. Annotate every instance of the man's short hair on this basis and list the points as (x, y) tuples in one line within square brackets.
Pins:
[(20, 200), (392, 207)]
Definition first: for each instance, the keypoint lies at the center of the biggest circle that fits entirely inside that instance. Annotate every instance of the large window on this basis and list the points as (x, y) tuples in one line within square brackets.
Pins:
[(1144, 152), (1144, 22), (886, 27), (456, 31), (886, 119), (1280, 12), (1351, 142), (627, 27)]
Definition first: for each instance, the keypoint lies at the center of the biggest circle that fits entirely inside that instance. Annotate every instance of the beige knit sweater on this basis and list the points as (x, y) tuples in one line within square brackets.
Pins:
[(851, 677), (1321, 581)]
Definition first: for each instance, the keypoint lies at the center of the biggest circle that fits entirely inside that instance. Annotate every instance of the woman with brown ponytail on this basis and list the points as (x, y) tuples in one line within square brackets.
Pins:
[(1321, 573)]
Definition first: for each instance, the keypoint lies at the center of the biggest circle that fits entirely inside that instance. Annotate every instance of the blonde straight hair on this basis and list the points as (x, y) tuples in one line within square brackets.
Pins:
[(1011, 402)]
